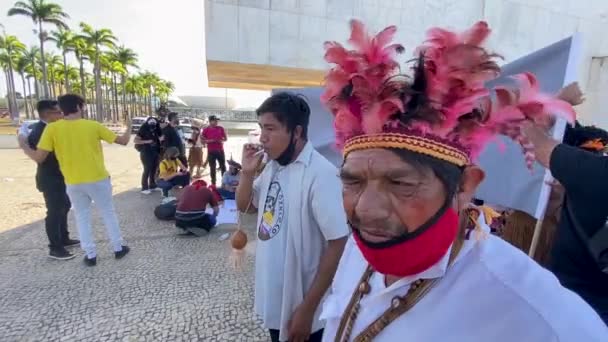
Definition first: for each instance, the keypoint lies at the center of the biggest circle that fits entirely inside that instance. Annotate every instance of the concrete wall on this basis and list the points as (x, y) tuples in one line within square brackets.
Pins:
[(291, 32)]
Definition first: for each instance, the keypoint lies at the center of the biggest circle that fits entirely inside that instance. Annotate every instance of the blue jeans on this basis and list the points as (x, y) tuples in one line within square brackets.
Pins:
[(181, 180)]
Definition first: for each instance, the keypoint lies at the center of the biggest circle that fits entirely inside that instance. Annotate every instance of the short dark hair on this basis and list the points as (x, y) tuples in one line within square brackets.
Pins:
[(70, 103), (44, 105), (172, 116), (289, 109)]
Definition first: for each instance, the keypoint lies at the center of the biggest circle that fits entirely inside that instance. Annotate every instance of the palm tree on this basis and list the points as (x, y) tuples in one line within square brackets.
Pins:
[(82, 50), (11, 48), (54, 69), (98, 39), (127, 58), (41, 11), (32, 55), (32, 72), (64, 39), (21, 68)]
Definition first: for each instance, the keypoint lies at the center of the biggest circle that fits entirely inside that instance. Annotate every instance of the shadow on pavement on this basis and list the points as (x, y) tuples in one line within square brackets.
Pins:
[(169, 287)]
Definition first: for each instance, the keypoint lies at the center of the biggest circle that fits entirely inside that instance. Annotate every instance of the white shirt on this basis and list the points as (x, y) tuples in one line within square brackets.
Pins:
[(292, 240), (492, 293)]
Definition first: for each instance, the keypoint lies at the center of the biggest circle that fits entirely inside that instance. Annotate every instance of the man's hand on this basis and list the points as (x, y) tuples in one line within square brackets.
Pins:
[(572, 94), (300, 324), (250, 161), (543, 144)]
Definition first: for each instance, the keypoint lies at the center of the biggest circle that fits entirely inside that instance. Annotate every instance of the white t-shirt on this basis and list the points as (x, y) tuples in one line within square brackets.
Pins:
[(300, 212), (271, 246)]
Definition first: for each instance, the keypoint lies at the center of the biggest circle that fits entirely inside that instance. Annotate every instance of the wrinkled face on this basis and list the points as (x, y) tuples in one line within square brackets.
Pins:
[(275, 136), (385, 197)]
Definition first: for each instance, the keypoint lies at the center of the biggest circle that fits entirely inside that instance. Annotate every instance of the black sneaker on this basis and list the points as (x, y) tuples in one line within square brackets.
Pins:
[(125, 250), (61, 254), (90, 262), (71, 242)]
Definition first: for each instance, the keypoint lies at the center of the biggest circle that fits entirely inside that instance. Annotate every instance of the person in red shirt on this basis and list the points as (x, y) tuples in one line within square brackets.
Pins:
[(214, 137), (191, 215)]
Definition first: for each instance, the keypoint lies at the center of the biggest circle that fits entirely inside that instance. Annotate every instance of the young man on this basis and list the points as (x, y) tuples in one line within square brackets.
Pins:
[(50, 182), (214, 137), (191, 214), (172, 173), (173, 139), (418, 267), (76, 143), (302, 228), (230, 181)]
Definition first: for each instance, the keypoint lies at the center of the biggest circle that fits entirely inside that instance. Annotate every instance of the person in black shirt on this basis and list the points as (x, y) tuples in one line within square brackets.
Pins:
[(172, 138), (147, 142), (49, 181), (581, 167)]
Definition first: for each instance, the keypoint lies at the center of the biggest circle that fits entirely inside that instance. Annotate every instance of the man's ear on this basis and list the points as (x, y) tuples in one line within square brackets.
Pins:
[(298, 131), (472, 176)]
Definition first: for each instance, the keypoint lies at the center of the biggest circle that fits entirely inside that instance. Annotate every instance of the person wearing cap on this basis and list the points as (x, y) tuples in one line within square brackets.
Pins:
[(214, 137), (416, 268), (230, 180)]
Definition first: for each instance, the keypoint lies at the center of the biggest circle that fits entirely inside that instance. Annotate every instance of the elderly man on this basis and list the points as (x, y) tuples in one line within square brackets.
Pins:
[(418, 267)]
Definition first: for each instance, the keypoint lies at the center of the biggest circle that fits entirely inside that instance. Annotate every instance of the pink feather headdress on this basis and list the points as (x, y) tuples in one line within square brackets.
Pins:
[(443, 110)]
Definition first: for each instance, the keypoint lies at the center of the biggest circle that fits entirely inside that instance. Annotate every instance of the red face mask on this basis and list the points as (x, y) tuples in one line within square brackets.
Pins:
[(414, 252)]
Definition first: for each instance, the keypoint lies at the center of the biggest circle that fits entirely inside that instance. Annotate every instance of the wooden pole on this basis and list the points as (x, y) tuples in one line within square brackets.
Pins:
[(537, 230)]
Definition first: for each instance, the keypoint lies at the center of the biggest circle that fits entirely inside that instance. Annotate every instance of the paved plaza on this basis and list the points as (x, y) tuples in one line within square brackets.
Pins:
[(169, 288)]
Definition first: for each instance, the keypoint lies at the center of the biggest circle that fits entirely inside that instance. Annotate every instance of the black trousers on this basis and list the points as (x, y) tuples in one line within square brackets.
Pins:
[(56, 221), (314, 337), (212, 157), (150, 161)]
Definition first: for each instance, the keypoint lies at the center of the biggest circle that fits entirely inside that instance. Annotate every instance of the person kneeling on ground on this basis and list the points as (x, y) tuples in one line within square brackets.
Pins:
[(172, 172), (191, 205), (230, 181)]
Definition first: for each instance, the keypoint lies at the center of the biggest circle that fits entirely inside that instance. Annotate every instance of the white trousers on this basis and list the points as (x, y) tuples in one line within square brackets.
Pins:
[(81, 196)]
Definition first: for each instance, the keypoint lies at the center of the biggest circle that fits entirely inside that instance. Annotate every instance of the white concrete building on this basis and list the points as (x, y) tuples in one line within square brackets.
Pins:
[(261, 44)]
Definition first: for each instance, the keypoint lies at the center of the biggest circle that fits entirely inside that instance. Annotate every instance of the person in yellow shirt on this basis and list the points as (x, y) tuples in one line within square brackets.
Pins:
[(76, 143), (172, 173)]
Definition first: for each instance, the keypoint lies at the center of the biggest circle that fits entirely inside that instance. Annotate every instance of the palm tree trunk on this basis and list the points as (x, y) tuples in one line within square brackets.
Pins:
[(27, 108), (12, 92), (98, 93), (115, 93), (29, 90), (45, 84), (65, 73), (124, 96), (36, 85), (9, 101), (83, 90)]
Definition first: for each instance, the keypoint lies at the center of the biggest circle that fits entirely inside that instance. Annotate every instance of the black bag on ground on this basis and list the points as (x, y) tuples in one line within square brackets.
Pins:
[(166, 211)]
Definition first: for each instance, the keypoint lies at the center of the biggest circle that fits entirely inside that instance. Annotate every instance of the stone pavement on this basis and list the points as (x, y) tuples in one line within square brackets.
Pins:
[(169, 288)]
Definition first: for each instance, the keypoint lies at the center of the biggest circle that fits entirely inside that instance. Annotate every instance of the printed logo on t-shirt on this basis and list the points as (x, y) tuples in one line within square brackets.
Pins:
[(273, 214)]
